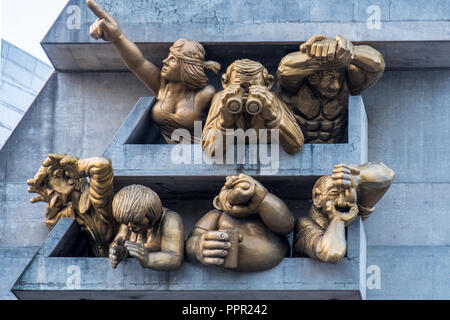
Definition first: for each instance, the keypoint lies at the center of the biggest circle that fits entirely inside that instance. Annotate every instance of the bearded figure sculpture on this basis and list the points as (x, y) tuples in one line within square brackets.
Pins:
[(338, 199), (247, 230)]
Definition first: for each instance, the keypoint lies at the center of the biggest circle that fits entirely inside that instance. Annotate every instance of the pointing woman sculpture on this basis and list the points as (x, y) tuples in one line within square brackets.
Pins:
[(180, 86)]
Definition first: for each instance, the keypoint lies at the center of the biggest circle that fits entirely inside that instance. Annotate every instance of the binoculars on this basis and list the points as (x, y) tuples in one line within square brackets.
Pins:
[(252, 106)]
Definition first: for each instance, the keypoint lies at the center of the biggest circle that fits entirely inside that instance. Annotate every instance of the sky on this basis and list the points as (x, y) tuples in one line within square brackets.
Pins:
[(25, 22)]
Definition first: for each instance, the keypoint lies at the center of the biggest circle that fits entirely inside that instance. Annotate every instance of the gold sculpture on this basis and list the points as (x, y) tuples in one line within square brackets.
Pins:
[(245, 103), (246, 232), (317, 81), (148, 231), (61, 182), (180, 87), (337, 200)]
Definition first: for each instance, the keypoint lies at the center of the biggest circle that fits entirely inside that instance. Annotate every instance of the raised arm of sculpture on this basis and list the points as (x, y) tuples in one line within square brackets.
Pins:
[(364, 65), (337, 200), (61, 182), (183, 95), (107, 28)]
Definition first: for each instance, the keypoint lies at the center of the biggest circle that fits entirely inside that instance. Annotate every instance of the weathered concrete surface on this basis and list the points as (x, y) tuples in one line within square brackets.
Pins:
[(410, 272), (21, 78), (51, 275), (71, 115), (413, 215), (405, 28), (13, 261)]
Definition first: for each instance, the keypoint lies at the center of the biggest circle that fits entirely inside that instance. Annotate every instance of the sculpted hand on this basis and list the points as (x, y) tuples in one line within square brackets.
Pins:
[(345, 176), (105, 27), (138, 251), (245, 196), (324, 49), (39, 184), (344, 50), (306, 47), (332, 246), (262, 94), (63, 164), (233, 91), (117, 253), (212, 247)]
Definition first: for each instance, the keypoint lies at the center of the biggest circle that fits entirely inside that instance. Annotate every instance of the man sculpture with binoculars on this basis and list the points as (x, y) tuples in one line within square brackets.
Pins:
[(246, 103)]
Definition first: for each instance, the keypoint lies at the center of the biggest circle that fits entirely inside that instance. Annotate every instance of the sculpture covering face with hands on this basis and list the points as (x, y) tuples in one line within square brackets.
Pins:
[(247, 230), (148, 232), (338, 199)]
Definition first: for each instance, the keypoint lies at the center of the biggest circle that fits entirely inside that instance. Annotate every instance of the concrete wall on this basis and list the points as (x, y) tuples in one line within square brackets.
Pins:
[(22, 76), (408, 112), (71, 115)]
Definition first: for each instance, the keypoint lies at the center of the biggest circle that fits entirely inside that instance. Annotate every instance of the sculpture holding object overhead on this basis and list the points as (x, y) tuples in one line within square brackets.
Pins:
[(247, 103), (246, 231), (180, 87), (317, 81)]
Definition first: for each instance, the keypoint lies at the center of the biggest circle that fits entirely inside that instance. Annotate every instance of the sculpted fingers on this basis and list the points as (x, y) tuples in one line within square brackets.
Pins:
[(212, 244), (97, 10), (214, 253), (216, 235), (37, 199), (214, 261), (307, 46)]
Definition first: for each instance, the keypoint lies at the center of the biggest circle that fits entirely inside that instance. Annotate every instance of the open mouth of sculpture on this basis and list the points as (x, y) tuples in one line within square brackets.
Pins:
[(343, 209)]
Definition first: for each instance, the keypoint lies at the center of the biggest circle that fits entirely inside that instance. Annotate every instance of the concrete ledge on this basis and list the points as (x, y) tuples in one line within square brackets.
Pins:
[(135, 162), (52, 274)]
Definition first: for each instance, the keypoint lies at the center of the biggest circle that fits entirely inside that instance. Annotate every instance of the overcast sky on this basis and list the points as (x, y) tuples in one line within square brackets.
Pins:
[(25, 22)]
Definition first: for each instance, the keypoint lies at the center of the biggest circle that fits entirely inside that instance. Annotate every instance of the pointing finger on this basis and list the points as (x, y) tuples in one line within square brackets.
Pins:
[(97, 10)]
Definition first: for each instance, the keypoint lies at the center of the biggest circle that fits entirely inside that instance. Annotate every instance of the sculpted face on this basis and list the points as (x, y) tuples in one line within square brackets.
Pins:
[(327, 83), (139, 227), (331, 201), (171, 69), (245, 80)]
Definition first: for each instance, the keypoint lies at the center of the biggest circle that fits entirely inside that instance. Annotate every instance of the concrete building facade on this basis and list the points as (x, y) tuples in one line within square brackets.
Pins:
[(22, 76), (89, 96)]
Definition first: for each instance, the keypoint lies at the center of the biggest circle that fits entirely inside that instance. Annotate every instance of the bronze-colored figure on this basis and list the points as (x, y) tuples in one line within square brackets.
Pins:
[(317, 81), (180, 87), (337, 200), (148, 231), (61, 182), (245, 103), (246, 232)]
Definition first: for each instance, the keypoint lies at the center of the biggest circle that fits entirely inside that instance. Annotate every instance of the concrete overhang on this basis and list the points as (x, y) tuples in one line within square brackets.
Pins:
[(409, 34)]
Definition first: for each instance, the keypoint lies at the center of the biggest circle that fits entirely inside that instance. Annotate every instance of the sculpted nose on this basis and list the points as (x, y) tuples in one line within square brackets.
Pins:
[(335, 85)]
